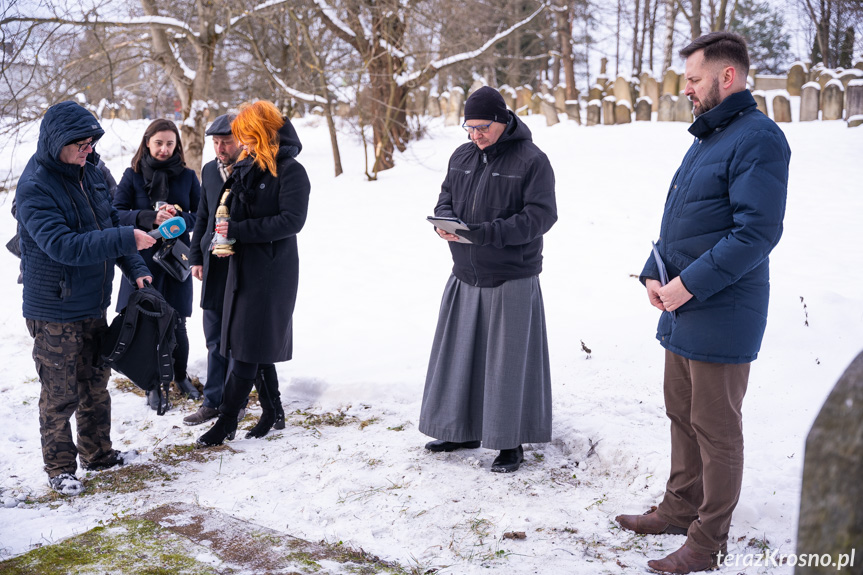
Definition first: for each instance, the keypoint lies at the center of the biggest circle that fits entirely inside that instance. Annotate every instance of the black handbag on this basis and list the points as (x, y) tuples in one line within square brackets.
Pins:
[(173, 257)]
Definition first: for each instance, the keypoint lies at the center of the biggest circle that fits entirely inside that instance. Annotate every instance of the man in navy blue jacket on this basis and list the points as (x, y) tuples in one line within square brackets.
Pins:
[(723, 215), (70, 240)]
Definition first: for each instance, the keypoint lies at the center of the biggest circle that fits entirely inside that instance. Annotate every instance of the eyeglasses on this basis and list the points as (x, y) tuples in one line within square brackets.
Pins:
[(483, 129), (84, 145)]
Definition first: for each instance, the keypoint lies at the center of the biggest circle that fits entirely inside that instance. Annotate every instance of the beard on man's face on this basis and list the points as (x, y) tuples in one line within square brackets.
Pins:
[(710, 101)]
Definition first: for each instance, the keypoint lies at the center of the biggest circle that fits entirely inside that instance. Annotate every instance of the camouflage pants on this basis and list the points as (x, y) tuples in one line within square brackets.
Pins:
[(64, 354)]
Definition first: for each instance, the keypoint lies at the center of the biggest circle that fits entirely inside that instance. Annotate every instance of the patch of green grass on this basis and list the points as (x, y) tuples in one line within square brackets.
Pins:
[(130, 547), (366, 422), (310, 420)]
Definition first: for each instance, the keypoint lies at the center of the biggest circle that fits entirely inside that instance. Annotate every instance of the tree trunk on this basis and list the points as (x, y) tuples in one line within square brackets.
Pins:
[(617, 42), (637, 47), (695, 19), (670, 18), (564, 32)]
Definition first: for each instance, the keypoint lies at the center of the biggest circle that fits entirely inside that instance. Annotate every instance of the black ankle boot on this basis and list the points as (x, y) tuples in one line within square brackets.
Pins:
[(265, 422), (508, 461), (224, 428), (236, 392)]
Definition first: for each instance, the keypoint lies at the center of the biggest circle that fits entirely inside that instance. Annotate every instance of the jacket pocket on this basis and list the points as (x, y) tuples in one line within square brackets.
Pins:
[(504, 193)]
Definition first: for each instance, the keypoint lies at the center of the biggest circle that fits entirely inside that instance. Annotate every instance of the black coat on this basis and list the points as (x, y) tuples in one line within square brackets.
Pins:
[(215, 268), (505, 193), (131, 200), (267, 212)]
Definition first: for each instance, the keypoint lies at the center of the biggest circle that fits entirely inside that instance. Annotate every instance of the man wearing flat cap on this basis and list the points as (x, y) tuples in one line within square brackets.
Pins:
[(488, 380), (212, 270)]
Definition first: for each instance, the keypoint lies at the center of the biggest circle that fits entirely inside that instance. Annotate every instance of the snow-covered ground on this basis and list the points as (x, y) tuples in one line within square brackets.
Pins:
[(372, 273)]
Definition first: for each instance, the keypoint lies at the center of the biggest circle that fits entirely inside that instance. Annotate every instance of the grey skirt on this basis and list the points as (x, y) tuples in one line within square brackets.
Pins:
[(488, 377)]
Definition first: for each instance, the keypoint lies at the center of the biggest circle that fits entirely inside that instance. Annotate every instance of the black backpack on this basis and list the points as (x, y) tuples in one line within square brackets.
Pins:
[(141, 340)]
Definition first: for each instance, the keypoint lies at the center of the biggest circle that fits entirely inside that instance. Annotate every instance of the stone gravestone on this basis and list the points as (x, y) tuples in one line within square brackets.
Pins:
[(683, 109), (666, 108), (535, 103), (621, 90), (573, 110), (670, 82), (509, 98), (549, 110), (810, 101), (622, 112), (643, 107), (848, 76), (825, 76), (831, 512), (456, 103), (560, 98), (594, 112), (433, 105), (595, 93), (832, 100), (760, 101), (650, 89), (796, 78), (854, 103), (608, 111), (522, 100), (781, 108)]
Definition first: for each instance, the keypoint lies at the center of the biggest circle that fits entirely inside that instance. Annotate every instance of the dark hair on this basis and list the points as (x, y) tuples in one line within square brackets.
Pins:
[(723, 47), (155, 127)]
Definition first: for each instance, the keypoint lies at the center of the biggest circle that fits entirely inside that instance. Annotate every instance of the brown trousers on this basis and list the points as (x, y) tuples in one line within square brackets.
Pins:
[(703, 401), (65, 354)]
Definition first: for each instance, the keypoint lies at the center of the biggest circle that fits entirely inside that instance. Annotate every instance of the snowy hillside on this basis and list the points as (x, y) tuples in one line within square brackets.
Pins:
[(372, 273)]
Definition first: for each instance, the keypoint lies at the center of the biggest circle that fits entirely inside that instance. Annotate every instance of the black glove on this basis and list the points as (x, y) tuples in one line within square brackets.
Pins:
[(475, 234)]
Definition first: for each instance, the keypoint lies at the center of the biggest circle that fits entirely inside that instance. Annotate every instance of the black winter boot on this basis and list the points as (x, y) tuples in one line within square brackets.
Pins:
[(264, 385), (235, 394), (224, 428)]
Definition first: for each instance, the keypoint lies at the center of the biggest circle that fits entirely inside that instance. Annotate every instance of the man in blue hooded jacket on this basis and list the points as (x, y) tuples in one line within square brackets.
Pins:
[(723, 215), (70, 240)]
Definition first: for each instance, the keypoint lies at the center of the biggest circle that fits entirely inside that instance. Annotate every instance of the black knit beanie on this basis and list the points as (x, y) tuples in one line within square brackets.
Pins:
[(486, 104)]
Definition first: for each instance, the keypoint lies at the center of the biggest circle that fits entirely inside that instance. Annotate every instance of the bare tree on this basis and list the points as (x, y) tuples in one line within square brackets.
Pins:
[(831, 20), (377, 33), (171, 41)]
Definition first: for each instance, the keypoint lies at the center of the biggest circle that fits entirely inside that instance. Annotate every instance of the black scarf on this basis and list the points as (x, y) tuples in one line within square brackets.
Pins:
[(245, 174), (157, 174)]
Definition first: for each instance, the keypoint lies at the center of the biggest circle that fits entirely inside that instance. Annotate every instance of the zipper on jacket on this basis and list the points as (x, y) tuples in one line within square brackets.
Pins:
[(96, 221), (473, 217)]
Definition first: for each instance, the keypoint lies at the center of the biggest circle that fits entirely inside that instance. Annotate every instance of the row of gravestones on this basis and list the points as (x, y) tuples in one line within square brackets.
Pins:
[(832, 93), (523, 100), (834, 102)]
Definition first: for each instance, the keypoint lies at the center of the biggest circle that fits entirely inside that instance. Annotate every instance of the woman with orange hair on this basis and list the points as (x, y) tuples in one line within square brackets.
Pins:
[(268, 201)]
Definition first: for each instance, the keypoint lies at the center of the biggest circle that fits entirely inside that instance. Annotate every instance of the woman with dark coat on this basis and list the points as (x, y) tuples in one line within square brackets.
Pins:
[(156, 187), (268, 203)]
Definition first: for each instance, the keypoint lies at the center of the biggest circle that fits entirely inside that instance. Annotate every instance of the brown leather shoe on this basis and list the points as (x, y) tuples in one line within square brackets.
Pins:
[(684, 560), (649, 524)]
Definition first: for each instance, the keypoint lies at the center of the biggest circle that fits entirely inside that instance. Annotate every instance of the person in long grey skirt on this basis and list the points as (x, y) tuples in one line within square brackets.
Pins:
[(488, 380)]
